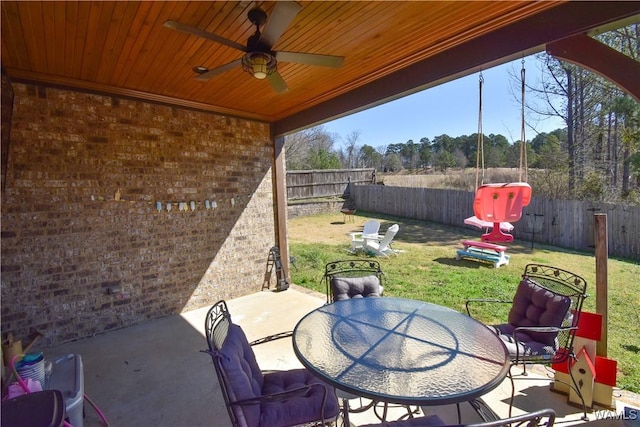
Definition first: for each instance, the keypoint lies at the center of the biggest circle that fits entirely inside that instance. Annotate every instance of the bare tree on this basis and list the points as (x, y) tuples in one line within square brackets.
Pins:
[(351, 149), (594, 115), (301, 146)]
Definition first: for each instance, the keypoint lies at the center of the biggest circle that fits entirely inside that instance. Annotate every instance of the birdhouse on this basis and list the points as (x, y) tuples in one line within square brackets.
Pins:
[(584, 373), (590, 326), (605, 381), (595, 376)]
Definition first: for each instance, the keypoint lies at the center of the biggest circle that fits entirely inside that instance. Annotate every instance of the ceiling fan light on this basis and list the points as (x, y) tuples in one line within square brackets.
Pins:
[(260, 65), (200, 69)]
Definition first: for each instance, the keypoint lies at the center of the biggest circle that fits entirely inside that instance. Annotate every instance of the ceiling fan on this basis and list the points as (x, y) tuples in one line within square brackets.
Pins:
[(259, 59)]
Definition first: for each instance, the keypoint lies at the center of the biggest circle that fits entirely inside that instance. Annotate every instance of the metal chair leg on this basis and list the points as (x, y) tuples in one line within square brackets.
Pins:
[(513, 392), (385, 407), (345, 413)]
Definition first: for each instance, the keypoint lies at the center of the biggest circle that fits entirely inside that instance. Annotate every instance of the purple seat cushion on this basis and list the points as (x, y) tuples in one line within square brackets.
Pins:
[(298, 410), (243, 376), (525, 346), (534, 305), (245, 380), (344, 288)]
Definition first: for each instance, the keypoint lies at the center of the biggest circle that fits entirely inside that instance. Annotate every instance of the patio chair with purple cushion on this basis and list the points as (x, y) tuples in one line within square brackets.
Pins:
[(352, 278), (542, 320), (344, 280), (257, 399), (347, 279), (544, 417)]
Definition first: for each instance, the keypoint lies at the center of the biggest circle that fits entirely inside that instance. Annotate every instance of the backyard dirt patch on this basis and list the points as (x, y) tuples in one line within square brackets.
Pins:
[(329, 229), (332, 229)]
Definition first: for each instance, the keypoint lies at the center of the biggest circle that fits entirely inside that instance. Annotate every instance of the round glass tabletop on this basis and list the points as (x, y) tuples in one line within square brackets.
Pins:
[(401, 351)]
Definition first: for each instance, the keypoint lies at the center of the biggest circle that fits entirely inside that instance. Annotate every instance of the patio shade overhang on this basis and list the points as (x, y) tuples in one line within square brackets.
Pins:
[(391, 49)]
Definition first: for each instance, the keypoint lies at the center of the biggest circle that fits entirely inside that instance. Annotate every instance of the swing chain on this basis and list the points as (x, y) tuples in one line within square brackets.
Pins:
[(523, 140), (523, 144), (480, 143)]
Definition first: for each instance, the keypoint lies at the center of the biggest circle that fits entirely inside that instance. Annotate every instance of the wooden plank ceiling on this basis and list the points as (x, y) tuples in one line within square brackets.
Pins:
[(123, 48)]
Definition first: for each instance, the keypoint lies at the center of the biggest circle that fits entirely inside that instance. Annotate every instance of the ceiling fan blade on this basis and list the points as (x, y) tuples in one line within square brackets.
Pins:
[(221, 69), (311, 59), (280, 18), (175, 25), (277, 82)]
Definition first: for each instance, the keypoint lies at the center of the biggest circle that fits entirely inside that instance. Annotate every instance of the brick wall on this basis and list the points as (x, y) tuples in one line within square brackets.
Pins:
[(77, 262), (298, 209), (6, 96)]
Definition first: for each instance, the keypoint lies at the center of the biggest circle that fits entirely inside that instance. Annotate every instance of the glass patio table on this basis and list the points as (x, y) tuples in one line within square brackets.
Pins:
[(401, 351)]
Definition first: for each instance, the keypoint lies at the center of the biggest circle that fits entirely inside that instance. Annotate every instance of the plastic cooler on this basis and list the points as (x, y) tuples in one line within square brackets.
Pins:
[(68, 377)]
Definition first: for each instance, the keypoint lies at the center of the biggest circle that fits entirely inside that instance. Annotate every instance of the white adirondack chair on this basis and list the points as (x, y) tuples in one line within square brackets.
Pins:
[(370, 230), (382, 247)]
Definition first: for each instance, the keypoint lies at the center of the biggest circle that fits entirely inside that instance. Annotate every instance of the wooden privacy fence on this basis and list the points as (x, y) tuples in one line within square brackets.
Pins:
[(563, 223), (309, 184)]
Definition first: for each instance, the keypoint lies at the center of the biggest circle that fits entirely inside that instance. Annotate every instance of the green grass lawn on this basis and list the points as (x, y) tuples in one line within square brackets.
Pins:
[(427, 270)]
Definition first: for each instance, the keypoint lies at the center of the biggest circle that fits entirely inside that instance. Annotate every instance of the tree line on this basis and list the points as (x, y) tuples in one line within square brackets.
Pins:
[(595, 157)]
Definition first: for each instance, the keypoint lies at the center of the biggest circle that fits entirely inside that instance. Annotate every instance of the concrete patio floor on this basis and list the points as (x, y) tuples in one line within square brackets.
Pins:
[(154, 374)]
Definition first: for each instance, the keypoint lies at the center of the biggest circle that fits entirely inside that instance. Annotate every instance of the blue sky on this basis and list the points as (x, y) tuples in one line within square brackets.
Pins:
[(450, 108)]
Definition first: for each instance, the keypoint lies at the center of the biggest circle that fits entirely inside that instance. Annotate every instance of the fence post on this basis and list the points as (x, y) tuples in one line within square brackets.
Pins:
[(602, 254)]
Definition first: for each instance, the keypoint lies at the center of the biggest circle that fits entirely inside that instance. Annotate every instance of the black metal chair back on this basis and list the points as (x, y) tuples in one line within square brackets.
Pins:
[(350, 268), (559, 288), (216, 326), (543, 417), (565, 284), (252, 397)]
